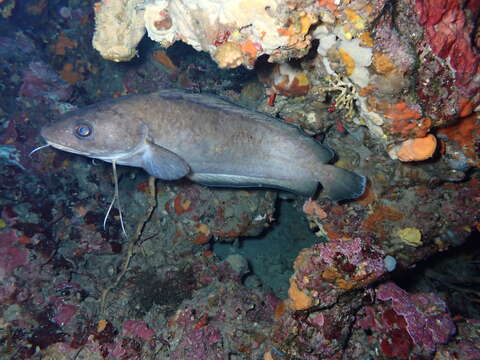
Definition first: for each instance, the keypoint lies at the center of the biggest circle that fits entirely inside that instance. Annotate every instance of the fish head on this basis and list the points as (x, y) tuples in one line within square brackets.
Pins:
[(106, 131)]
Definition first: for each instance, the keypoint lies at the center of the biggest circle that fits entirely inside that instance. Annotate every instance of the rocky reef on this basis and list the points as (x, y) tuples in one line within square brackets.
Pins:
[(391, 86), (402, 69)]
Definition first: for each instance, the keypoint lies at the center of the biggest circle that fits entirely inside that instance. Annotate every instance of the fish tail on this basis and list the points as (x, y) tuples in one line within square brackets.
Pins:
[(340, 184)]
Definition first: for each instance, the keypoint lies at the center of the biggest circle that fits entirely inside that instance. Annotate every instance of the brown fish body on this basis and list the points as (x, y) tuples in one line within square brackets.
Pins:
[(173, 133)]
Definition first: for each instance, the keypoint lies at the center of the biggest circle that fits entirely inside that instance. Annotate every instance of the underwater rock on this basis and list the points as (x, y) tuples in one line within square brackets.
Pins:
[(11, 256), (406, 325), (325, 271), (42, 83), (466, 345)]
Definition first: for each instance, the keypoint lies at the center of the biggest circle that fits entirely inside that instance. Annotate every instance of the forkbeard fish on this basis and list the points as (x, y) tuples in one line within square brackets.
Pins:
[(173, 134)]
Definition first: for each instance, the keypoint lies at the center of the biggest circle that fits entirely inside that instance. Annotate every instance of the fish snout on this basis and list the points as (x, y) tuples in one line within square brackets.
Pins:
[(46, 133)]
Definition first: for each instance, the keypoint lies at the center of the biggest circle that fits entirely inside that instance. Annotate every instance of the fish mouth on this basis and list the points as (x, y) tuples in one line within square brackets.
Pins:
[(109, 158), (67, 149)]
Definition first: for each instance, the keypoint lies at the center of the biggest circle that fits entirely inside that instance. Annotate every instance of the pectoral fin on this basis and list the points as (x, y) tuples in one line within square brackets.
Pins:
[(340, 184), (164, 164)]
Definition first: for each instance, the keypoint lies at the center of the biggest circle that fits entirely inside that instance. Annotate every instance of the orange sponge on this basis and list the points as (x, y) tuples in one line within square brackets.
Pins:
[(417, 149), (299, 300)]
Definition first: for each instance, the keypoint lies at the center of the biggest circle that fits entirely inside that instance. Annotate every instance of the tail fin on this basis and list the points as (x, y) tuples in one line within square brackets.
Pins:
[(340, 184)]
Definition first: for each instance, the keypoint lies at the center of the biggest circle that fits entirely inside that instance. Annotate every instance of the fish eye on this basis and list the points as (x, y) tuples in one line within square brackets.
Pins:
[(83, 130)]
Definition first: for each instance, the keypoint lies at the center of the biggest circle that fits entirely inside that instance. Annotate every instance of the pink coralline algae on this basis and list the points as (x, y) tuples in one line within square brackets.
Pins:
[(137, 329), (322, 301), (466, 345), (448, 33), (11, 255), (327, 270), (316, 333), (64, 312), (199, 342), (407, 324), (427, 321)]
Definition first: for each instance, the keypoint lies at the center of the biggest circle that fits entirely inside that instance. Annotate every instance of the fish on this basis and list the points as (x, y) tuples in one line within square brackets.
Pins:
[(174, 134)]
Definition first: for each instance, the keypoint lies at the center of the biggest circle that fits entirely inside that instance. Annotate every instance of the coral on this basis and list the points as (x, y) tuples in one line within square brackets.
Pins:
[(343, 92), (401, 120), (394, 58), (229, 54), (287, 80), (356, 59), (233, 32), (119, 28), (402, 196)]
